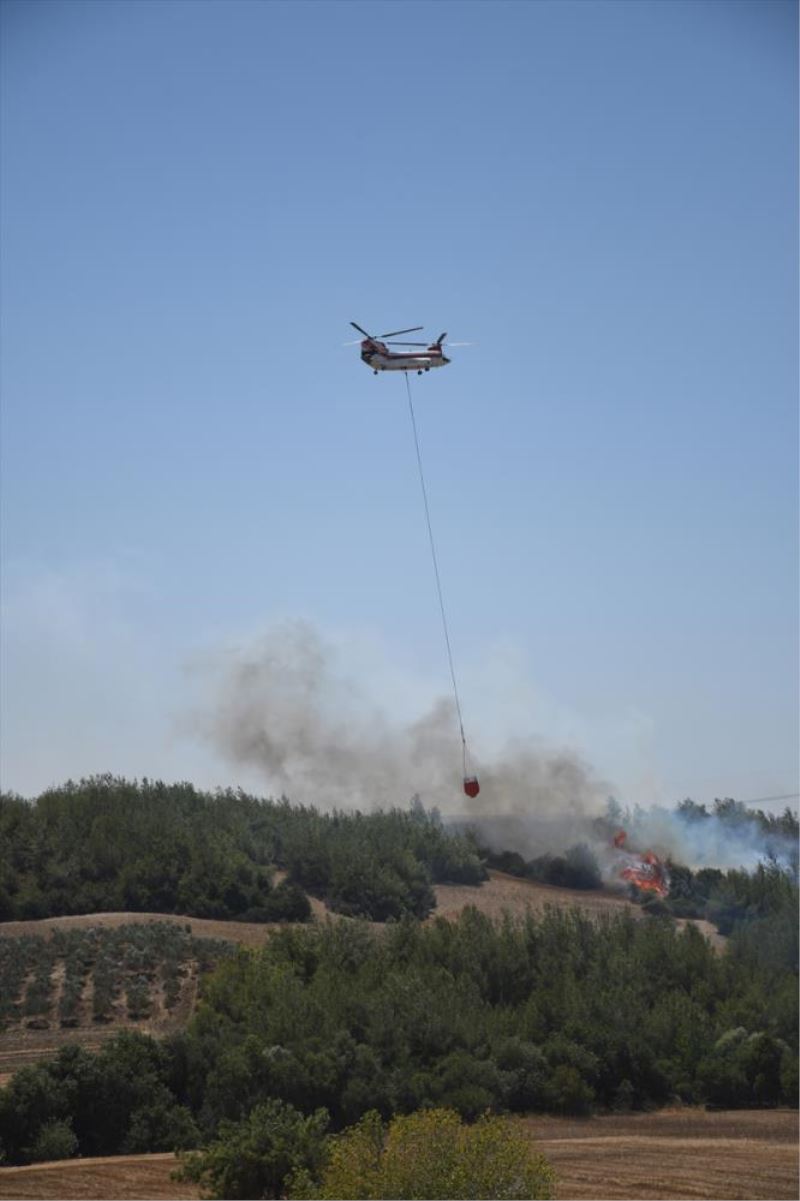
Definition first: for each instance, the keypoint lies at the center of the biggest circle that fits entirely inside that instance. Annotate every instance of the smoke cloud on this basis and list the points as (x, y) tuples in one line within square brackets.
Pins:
[(285, 708)]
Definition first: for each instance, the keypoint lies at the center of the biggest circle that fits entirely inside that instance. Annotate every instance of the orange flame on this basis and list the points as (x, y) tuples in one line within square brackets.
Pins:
[(645, 871)]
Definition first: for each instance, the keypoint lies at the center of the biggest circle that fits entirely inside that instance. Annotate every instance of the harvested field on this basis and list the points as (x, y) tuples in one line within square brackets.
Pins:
[(735, 1155), (502, 893), (247, 934), (511, 894), (747, 1155), (120, 1176)]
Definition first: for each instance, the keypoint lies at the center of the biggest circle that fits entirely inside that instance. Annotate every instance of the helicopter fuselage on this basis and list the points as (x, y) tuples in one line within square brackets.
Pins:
[(378, 357)]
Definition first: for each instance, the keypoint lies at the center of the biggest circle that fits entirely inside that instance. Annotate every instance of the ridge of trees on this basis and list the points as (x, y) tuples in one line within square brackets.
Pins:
[(106, 843)]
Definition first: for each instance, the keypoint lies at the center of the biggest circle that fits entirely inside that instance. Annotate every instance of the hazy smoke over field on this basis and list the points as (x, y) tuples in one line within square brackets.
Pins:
[(284, 708)]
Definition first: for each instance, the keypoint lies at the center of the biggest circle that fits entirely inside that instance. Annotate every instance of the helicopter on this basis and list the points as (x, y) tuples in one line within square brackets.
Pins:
[(376, 353)]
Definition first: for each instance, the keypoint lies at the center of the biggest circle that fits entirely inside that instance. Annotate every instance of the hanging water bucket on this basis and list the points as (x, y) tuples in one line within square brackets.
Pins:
[(471, 786)]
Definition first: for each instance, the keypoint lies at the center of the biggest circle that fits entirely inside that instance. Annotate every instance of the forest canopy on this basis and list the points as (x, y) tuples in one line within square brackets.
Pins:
[(107, 843)]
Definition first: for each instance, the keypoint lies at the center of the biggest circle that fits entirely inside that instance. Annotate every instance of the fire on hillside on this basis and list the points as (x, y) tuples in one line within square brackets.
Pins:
[(646, 871)]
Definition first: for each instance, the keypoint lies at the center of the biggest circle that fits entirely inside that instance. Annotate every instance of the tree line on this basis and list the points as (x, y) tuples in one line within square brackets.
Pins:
[(107, 843)]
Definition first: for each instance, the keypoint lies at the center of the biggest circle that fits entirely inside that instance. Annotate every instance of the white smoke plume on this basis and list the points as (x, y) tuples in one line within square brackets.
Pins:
[(709, 841)]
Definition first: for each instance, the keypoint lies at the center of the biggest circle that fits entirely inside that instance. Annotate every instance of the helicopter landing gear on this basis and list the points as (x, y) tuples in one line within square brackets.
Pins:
[(419, 373), (374, 372)]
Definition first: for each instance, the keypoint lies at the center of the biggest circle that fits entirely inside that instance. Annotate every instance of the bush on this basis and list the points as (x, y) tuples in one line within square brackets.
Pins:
[(430, 1153)]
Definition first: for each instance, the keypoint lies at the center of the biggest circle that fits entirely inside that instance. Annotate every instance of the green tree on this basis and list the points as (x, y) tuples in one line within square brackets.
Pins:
[(55, 1140), (256, 1156), (429, 1154)]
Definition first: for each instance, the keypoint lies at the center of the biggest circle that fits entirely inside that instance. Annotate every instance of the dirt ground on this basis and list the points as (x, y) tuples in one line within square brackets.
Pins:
[(747, 1155)]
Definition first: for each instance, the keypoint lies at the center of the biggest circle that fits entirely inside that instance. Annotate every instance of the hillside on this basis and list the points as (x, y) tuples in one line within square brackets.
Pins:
[(28, 1037), (499, 893)]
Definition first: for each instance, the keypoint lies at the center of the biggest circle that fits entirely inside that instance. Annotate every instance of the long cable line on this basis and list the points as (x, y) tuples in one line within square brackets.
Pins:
[(436, 575)]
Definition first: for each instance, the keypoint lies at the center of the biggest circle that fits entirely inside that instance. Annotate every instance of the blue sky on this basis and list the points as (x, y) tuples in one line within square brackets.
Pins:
[(601, 197)]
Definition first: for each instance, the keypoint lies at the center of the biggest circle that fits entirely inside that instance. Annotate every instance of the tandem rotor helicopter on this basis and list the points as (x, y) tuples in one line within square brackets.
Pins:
[(376, 354)]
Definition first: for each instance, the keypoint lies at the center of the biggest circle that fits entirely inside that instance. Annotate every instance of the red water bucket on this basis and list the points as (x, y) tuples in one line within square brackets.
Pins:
[(471, 786)]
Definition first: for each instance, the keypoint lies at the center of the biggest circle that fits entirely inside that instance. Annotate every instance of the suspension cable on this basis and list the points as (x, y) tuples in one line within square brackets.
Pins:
[(436, 574)]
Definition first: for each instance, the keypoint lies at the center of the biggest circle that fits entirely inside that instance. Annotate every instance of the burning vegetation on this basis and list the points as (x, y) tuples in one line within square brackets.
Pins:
[(646, 871)]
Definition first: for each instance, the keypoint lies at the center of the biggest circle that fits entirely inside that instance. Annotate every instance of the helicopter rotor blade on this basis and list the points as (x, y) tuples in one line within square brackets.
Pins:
[(395, 332), (360, 330)]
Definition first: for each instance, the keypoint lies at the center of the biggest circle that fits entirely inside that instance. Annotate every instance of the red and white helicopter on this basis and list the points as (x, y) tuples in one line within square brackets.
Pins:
[(377, 355)]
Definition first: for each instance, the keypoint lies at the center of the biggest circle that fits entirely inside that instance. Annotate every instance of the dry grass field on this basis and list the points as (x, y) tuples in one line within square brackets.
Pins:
[(674, 1154)]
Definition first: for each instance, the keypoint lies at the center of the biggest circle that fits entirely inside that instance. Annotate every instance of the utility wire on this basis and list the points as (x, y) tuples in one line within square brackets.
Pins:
[(762, 800), (436, 573)]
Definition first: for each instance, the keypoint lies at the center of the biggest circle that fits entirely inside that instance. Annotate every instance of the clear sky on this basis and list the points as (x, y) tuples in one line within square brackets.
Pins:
[(601, 197)]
